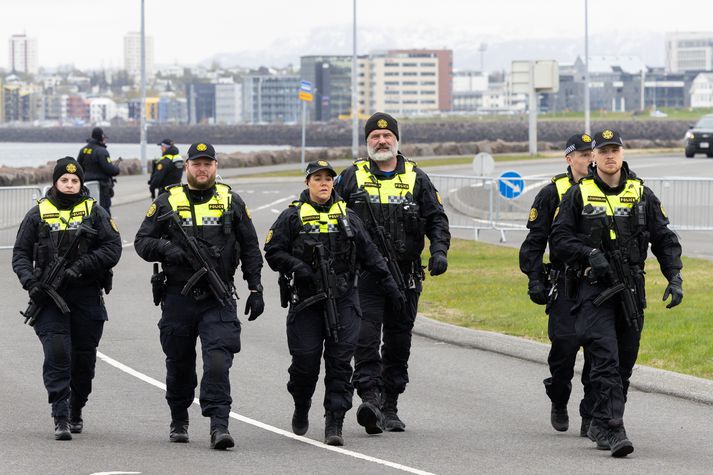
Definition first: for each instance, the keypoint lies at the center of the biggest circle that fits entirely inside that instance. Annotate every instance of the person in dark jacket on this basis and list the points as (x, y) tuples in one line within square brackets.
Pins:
[(602, 230), (67, 225), (547, 287), (318, 230), (98, 166), (391, 193), (168, 170), (217, 220)]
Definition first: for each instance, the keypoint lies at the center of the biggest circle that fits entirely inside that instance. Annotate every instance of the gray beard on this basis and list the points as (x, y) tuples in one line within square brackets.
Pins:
[(383, 156)]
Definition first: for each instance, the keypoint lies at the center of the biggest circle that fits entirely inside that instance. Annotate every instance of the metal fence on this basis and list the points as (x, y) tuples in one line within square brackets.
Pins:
[(15, 201), (474, 202)]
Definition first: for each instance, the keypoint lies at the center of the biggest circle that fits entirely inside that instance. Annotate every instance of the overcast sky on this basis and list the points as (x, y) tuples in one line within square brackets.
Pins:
[(89, 33)]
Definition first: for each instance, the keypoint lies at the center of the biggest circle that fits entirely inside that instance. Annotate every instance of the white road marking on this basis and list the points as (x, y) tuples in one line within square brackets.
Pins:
[(286, 198), (262, 425), (276, 211), (116, 473)]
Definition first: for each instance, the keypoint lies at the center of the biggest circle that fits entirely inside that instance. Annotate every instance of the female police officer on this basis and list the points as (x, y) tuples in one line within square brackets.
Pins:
[(320, 244), (63, 255)]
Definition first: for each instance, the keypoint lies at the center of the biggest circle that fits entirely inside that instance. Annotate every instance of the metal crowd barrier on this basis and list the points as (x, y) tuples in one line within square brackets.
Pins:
[(15, 201), (474, 202)]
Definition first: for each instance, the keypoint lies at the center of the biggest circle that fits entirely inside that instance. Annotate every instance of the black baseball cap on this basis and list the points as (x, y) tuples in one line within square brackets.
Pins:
[(607, 137), (313, 167), (165, 143), (201, 150), (578, 142)]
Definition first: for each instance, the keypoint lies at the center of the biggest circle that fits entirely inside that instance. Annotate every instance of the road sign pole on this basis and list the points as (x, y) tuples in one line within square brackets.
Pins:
[(533, 122), (304, 121)]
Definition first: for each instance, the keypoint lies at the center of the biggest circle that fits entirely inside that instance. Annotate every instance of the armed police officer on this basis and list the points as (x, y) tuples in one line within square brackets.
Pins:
[(168, 170), (547, 287), (399, 206), (63, 255), (318, 245), (200, 232), (94, 158), (603, 229)]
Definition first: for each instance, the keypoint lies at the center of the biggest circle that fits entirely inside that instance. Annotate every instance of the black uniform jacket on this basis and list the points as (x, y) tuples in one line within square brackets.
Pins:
[(152, 234), (570, 246), (425, 195), (97, 164), (540, 226), (103, 252), (288, 226), (167, 174)]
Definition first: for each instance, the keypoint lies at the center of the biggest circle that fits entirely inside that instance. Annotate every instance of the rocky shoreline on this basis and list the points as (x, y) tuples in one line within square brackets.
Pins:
[(10, 176)]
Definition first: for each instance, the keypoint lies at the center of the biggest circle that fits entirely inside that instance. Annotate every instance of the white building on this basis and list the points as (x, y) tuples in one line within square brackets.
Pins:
[(132, 54), (228, 103), (22, 57), (101, 110), (702, 91), (691, 51)]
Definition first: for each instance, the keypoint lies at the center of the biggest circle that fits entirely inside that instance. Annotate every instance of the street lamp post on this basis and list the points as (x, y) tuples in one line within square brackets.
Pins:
[(587, 127), (142, 109), (355, 99)]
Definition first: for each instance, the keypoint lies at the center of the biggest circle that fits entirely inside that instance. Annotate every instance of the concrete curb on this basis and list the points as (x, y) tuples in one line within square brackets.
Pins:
[(645, 378)]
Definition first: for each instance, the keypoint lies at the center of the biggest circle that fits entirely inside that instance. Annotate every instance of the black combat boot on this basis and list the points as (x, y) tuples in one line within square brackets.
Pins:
[(300, 418), (61, 429), (333, 422), (392, 423), (584, 428), (220, 438), (179, 432), (619, 444), (598, 433), (559, 417), (76, 424), (369, 413)]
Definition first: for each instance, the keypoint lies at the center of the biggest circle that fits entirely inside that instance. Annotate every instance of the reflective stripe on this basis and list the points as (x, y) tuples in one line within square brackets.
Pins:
[(173, 158), (391, 191), (209, 213), (63, 219), (315, 222), (613, 205)]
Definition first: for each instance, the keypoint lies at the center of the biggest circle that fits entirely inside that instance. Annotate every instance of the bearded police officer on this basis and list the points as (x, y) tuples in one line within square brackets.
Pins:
[(603, 229), (318, 245), (94, 158), (547, 285), (63, 255), (168, 170), (200, 232), (399, 206)]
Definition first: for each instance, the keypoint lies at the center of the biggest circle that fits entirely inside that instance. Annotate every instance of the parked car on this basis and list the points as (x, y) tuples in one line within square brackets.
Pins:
[(699, 138)]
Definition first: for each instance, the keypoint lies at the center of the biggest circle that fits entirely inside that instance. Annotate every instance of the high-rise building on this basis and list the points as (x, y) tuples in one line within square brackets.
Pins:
[(132, 54), (22, 57), (689, 52), (331, 78), (271, 98), (200, 99), (228, 103)]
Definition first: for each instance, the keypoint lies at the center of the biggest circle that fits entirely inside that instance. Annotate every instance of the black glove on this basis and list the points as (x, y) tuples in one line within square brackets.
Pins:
[(303, 272), (675, 290), (394, 295), (173, 254), (255, 305), (73, 272), (537, 291), (37, 293), (599, 264), (438, 263)]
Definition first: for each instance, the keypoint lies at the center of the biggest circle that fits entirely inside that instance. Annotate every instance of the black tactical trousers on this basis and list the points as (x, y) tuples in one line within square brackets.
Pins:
[(106, 191), (184, 320), (385, 370), (70, 346), (613, 349), (563, 354), (306, 338)]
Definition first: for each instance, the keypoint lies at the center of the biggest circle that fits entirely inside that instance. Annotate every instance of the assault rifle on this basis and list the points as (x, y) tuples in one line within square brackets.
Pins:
[(220, 290), (53, 278)]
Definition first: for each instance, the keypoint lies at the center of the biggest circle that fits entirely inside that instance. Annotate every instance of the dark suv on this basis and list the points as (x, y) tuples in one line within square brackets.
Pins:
[(699, 138)]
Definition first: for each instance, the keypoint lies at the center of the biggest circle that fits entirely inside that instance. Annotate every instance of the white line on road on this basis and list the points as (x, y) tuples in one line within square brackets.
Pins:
[(276, 211), (273, 203), (267, 427)]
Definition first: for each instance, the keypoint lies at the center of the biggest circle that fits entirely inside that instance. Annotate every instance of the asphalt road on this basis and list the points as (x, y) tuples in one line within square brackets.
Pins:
[(467, 411)]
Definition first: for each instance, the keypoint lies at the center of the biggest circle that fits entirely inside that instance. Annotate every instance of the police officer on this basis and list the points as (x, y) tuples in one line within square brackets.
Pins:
[(94, 158), (168, 170), (391, 194), (603, 228), (320, 221), (69, 233), (563, 352), (217, 222)]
